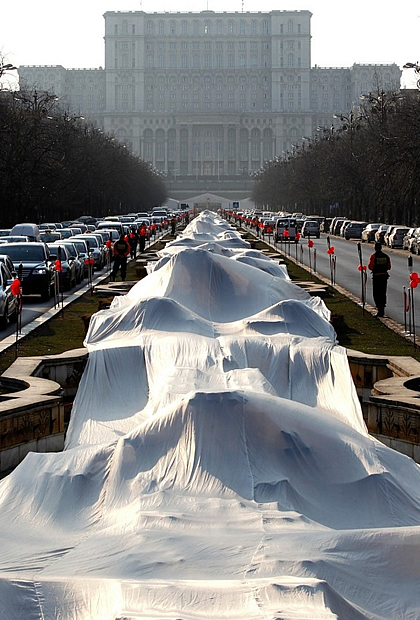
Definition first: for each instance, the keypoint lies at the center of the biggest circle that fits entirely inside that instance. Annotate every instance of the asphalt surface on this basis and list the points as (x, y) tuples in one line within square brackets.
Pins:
[(347, 275)]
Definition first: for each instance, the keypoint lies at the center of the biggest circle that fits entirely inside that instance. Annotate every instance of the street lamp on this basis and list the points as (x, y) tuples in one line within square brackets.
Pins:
[(5, 68), (416, 67), (382, 102), (350, 124), (37, 103)]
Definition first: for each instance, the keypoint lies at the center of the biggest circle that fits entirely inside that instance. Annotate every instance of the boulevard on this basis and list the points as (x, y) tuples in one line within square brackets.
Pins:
[(348, 276)]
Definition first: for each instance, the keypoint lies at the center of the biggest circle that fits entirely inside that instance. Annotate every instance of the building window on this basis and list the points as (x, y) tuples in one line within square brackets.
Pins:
[(253, 27), (242, 27), (219, 28), (265, 27), (161, 27), (290, 26), (150, 28), (230, 26)]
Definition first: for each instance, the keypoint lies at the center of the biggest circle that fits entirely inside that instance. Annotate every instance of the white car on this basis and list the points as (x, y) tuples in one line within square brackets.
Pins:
[(310, 228)]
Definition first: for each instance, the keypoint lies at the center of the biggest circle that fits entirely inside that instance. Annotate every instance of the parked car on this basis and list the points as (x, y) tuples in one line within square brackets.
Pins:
[(68, 276), (78, 259), (310, 228), (37, 267), (354, 230), (325, 225), (408, 238), (96, 249), (27, 230), (388, 232), (66, 233), (50, 236), (5, 258), (336, 225), (395, 239), (107, 224), (8, 301), (83, 250), (368, 233), (380, 233), (283, 224), (13, 238), (343, 227)]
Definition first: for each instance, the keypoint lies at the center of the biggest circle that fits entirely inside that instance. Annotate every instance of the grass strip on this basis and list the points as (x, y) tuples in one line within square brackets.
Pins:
[(355, 329)]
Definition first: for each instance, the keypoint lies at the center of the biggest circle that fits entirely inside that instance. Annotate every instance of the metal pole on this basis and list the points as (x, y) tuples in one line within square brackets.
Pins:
[(359, 249)]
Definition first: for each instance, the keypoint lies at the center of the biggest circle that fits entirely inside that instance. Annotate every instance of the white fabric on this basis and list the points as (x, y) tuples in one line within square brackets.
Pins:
[(216, 465)]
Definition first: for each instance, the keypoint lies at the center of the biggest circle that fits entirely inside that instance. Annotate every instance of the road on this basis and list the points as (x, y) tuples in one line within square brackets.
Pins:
[(33, 307), (348, 275)]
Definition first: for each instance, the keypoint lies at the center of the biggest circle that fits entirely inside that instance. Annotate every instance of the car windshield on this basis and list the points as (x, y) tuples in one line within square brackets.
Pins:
[(93, 242), (54, 250), (80, 245), (26, 252), (71, 249)]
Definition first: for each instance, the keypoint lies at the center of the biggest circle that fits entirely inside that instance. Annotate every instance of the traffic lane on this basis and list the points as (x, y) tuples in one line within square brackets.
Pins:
[(349, 277), (33, 307)]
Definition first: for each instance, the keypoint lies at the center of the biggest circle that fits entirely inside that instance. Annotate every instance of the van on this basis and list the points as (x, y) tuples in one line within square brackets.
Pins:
[(27, 230), (310, 228), (106, 224), (286, 229)]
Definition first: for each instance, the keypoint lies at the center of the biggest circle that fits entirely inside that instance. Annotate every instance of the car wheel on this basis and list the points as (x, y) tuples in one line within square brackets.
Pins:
[(46, 292), (4, 320)]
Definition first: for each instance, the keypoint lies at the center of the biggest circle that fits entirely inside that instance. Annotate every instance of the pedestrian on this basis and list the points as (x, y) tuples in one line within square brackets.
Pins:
[(133, 240), (121, 251), (173, 226), (142, 238), (379, 264)]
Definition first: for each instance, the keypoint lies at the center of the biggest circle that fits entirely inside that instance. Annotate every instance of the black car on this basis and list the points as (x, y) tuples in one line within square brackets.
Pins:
[(68, 275), (37, 267)]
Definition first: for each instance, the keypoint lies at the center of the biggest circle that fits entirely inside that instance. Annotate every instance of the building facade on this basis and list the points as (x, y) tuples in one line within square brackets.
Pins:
[(210, 95)]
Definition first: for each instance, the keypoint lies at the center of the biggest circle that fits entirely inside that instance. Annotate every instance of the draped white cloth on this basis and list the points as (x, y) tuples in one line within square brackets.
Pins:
[(216, 465)]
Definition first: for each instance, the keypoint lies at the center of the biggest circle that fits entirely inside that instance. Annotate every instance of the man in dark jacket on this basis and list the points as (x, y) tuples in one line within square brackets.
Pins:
[(379, 264), (121, 251)]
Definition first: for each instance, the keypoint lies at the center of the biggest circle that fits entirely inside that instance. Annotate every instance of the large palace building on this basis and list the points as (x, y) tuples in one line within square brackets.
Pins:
[(210, 96)]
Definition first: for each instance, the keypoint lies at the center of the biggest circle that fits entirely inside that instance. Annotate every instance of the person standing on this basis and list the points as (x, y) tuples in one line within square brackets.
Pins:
[(133, 241), (142, 237), (121, 251), (379, 264)]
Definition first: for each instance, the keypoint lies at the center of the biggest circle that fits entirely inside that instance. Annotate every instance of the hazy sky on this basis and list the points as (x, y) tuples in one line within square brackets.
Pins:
[(71, 33)]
